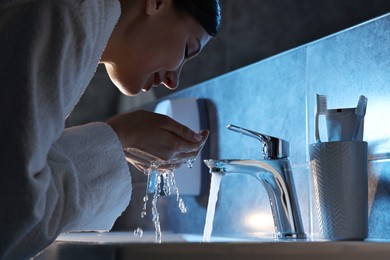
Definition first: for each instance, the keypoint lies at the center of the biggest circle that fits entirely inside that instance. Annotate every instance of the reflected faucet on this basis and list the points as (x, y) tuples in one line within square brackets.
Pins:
[(275, 173)]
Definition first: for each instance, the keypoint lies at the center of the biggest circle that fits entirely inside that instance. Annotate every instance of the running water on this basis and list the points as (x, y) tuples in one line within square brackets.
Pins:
[(214, 188), (167, 179), (155, 214)]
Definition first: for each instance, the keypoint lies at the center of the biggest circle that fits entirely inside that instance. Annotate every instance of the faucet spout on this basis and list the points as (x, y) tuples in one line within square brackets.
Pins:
[(276, 176)]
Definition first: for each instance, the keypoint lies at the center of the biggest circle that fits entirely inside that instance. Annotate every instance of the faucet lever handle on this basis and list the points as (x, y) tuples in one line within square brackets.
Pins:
[(273, 147)]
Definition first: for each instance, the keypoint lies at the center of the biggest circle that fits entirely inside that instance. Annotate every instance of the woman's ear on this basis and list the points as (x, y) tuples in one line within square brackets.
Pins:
[(155, 6)]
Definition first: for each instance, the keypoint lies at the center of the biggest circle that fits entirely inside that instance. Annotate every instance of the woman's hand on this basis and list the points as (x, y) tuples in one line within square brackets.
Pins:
[(152, 139)]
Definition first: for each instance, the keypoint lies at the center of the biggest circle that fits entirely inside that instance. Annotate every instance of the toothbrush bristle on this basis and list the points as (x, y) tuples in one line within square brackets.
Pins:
[(322, 105)]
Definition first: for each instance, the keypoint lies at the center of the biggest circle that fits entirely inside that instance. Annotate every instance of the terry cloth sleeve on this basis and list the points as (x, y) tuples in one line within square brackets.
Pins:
[(54, 180)]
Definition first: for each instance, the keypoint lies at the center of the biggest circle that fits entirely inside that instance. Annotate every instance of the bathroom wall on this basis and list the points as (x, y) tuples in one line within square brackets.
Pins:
[(276, 96), (251, 30)]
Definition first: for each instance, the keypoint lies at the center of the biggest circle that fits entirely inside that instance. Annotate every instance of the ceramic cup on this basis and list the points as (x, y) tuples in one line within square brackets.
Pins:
[(339, 171)]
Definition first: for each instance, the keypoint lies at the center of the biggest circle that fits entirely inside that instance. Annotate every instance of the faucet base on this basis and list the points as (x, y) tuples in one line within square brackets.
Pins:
[(291, 236)]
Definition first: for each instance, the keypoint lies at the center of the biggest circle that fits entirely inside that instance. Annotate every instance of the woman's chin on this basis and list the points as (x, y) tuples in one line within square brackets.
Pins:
[(128, 91)]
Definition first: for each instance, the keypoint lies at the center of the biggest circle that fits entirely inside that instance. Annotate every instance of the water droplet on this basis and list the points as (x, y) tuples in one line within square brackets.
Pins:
[(166, 186), (190, 163), (182, 206), (138, 232)]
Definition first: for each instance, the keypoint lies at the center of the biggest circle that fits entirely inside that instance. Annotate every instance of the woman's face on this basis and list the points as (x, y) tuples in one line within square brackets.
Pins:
[(150, 46)]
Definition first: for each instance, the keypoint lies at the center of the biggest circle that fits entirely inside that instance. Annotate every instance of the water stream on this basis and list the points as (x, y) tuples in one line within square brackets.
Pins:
[(167, 179), (214, 188)]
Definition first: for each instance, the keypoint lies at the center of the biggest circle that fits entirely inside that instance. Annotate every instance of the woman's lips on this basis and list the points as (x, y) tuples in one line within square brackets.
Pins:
[(157, 79), (155, 83)]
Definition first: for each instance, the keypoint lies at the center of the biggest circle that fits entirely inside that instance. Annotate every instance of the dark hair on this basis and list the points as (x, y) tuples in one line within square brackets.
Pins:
[(206, 12)]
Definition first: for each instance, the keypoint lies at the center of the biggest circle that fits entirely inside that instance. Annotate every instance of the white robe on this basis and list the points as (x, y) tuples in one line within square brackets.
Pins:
[(54, 180)]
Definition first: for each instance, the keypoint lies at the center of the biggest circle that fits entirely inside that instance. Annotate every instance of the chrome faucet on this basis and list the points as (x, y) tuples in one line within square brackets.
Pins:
[(275, 173)]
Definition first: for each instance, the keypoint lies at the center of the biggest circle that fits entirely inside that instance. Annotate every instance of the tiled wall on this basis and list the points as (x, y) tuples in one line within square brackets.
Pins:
[(276, 96), (252, 30), (343, 66)]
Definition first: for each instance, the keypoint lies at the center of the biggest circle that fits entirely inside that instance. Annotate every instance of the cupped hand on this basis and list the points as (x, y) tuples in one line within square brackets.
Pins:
[(155, 140)]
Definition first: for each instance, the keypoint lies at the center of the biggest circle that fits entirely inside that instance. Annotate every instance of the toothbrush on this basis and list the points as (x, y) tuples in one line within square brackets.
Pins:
[(360, 113), (320, 110)]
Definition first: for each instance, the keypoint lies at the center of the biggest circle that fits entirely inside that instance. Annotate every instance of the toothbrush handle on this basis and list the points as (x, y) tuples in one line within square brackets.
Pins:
[(317, 131), (357, 129)]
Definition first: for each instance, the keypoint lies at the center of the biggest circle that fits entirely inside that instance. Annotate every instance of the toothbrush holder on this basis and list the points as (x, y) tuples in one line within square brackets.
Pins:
[(340, 179), (341, 124)]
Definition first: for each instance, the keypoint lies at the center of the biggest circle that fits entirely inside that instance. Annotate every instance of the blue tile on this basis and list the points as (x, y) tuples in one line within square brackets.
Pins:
[(351, 63), (379, 200), (276, 96)]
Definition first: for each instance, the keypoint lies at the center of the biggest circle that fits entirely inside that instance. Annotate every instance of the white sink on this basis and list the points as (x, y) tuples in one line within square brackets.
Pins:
[(124, 245), (147, 237)]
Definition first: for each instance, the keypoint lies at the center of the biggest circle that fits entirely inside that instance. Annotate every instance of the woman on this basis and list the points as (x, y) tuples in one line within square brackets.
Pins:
[(56, 180)]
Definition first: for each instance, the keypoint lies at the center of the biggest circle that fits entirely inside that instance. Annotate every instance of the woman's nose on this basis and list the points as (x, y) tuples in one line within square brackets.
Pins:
[(171, 78)]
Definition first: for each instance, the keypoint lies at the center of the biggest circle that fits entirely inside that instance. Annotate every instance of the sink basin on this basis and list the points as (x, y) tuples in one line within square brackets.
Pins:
[(147, 237), (124, 245)]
